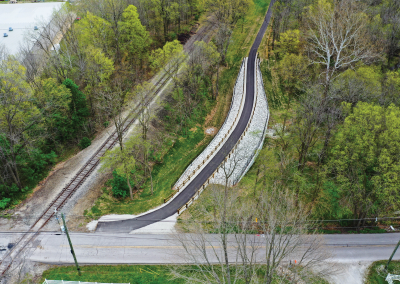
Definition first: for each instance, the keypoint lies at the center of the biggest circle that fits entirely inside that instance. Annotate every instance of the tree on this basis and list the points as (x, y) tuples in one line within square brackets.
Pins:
[(145, 116), (391, 89), (289, 42), (207, 56), (288, 234), (234, 253), (365, 159), (19, 117), (77, 107), (53, 100), (122, 161), (99, 67), (99, 70), (95, 31), (337, 37), (308, 124), (171, 57), (388, 30), (293, 72), (355, 85), (136, 40), (227, 13), (112, 99)]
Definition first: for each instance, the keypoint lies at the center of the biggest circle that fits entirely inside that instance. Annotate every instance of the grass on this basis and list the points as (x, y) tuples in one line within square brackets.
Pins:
[(242, 40), (377, 274), (185, 150), (165, 175), (133, 274)]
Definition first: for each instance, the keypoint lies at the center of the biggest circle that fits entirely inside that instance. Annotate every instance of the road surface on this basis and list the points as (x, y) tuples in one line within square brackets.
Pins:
[(105, 248)]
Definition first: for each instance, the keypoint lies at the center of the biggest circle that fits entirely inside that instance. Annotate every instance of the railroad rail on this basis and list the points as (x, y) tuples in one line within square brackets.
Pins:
[(87, 169)]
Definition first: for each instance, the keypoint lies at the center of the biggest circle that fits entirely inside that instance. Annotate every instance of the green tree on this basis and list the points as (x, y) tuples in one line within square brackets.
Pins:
[(289, 42), (136, 40), (97, 32), (365, 159), (293, 72), (121, 160), (53, 100), (170, 58), (19, 118), (77, 107)]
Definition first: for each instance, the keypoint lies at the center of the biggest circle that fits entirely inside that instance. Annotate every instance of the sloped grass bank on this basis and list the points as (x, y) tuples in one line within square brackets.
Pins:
[(377, 274), (186, 149), (165, 174)]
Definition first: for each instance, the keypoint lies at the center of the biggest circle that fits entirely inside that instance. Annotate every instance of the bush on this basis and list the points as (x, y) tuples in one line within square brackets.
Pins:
[(4, 202), (172, 36), (120, 188), (84, 143)]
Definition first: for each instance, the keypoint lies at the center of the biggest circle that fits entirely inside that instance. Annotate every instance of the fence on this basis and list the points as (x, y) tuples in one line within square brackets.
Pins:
[(180, 184), (260, 144), (197, 194)]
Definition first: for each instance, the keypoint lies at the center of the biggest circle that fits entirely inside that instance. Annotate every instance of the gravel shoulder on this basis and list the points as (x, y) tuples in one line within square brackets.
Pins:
[(25, 214)]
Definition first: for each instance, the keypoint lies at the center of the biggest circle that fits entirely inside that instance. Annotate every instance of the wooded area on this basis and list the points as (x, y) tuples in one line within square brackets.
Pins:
[(56, 97), (332, 77)]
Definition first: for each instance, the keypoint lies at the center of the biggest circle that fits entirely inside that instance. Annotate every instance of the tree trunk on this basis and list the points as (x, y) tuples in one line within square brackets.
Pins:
[(129, 185)]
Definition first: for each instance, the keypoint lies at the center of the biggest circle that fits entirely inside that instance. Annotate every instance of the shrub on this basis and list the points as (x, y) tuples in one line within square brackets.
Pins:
[(84, 143), (4, 202), (120, 188)]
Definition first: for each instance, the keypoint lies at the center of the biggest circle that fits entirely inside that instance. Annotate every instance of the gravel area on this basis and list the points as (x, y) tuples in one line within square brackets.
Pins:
[(242, 158), (28, 211), (230, 123)]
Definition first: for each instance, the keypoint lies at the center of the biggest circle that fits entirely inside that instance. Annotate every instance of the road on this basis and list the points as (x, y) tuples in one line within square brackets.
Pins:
[(105, 248), (172, 207)]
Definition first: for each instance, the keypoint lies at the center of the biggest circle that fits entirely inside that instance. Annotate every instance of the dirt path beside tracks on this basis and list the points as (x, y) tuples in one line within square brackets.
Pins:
[(24, 215)]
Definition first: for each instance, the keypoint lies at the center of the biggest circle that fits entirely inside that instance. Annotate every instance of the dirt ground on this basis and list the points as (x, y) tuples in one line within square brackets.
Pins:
[(24, 215)]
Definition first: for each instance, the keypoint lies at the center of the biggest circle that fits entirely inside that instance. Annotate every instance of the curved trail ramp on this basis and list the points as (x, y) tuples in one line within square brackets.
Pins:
[(126, 226)]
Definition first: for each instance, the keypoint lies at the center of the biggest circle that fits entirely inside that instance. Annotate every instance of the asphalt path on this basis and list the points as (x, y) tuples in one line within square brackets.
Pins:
[(191, 189), (106, 248)]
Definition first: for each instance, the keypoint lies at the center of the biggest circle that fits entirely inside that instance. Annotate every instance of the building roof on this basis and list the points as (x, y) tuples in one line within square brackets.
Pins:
[(23, 18)]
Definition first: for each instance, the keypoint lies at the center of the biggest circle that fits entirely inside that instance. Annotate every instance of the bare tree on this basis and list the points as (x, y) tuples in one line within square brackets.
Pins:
[(286, 229), (337, 37), (234, 254), (145, 117), (111, 102)]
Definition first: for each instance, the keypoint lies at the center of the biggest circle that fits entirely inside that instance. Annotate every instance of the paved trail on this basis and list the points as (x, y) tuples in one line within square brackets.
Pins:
[(172, 207)]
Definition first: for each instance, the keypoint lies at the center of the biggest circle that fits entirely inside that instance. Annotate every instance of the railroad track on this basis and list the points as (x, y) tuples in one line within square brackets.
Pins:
[(89, 167)]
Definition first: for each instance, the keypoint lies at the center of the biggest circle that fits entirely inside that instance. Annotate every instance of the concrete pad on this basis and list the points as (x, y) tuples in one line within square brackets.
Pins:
[(166, 226)]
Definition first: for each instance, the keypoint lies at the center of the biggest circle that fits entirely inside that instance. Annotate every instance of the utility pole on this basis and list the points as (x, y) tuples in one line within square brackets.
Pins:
[(70, 245), (390, 259)]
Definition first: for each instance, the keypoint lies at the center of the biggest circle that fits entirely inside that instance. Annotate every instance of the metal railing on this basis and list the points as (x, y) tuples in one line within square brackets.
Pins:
[(207, 182), (210, 155), (251, 160)]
